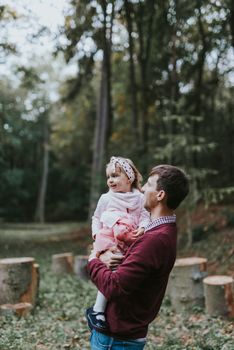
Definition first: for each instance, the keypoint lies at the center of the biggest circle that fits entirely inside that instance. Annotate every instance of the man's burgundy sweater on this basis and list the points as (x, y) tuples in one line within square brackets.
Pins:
[(136, 289)]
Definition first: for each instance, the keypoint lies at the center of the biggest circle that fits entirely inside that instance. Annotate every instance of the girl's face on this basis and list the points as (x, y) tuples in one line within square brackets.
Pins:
[(118, 181)]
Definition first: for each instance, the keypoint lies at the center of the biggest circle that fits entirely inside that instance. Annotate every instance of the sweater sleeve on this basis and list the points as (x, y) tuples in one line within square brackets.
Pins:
[(96, 223), (138, 263)]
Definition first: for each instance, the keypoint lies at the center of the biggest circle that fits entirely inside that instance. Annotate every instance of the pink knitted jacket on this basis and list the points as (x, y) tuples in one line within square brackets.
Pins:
[(116, 216)]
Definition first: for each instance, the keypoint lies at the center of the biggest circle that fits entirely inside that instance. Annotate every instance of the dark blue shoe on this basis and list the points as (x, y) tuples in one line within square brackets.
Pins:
[(94, 322)]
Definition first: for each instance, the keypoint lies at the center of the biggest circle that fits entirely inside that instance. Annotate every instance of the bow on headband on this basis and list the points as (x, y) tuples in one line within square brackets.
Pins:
[(124, 165)]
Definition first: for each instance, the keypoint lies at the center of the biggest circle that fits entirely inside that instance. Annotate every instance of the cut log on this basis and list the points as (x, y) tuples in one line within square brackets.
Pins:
[(219, 295), (32, 293), (185, 287), (35, 284), (63, 263), (80, 267), (20, 309), (18, 281)]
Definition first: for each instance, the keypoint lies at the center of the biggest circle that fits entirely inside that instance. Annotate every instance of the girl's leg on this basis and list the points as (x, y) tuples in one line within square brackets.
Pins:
[(95, 315), (100, 303)]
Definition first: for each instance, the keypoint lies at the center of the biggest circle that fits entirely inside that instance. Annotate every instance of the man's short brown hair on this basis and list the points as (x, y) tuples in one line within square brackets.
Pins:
[(173, 181)]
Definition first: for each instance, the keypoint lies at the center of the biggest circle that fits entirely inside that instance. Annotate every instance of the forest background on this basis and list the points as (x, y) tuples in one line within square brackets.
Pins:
[(151, 80)]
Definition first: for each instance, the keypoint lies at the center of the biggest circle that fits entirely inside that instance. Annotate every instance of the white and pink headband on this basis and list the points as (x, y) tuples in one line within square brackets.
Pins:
[(124, 165)]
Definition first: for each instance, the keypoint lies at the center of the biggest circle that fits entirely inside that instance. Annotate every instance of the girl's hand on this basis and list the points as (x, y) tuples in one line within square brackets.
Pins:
[(139, 232)]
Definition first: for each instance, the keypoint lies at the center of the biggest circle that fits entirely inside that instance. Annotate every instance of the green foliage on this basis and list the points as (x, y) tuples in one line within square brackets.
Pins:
[(216, 195), (7, 14), (20, 155), (200, 232), (183, 99), (71, 151), (229, 217)]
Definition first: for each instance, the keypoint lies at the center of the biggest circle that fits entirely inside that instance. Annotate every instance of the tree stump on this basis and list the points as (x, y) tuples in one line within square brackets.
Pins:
[(185, 287), (219, 295), (63, 263), (80, 267), (20, 309), (36, 281), (18, 280)]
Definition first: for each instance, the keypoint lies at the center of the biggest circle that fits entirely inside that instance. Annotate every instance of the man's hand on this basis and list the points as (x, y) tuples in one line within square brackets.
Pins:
[(139, 232), (111, 258)]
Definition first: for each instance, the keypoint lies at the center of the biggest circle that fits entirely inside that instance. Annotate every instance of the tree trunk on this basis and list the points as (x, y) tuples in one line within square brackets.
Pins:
[(231, 21), (40, 209), (132, 75), (188, 214), (19, 281), (219, 296), (104, 118), (99, 150), (201, 61), (185, 287), (144, 59), (173, 91), (199, 80)]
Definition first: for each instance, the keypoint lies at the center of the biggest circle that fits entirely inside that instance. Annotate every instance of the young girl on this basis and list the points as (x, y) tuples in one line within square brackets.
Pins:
[(118, 220)]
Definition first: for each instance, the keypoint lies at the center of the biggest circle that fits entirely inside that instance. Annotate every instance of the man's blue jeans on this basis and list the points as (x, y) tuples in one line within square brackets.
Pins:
[(101, 341)]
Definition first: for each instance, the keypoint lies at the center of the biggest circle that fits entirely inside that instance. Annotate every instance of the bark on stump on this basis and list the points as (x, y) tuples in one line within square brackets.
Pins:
[(19, 280), (20, 309), (36, 272), (185, 287), (80, 267), (219, 295), (63, 263)]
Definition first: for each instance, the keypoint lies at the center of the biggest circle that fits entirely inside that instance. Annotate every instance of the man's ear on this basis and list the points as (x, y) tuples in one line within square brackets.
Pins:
[(161, 195)]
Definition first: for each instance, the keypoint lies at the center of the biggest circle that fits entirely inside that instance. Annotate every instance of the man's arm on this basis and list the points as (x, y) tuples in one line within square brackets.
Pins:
[(140, 259)]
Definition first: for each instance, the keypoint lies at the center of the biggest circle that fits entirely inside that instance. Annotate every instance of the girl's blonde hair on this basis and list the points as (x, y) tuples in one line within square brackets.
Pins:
[(138, 178)]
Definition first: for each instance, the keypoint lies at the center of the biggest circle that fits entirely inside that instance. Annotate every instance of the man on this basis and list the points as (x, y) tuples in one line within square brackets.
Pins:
[(135, 290)]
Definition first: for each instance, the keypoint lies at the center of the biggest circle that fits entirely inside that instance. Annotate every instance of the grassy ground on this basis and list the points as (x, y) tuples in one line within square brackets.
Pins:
[(58, 321)]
